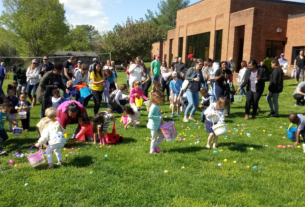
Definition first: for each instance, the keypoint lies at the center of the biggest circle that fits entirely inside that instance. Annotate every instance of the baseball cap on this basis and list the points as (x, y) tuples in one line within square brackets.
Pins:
[(34, 61), (282, 54), (157, 55), (174, 74), (79, 61), (230, 58), (189, 56), (94, 59)]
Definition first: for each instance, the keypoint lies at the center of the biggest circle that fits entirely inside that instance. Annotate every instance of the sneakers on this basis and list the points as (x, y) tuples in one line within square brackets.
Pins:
[(137, 122), (157, 149), (208, 146), (2, 152), (153, 153), (172, 115), (178, 114), (60, 163), (191, 119), (185, 120), (214, 146), (272, 113), (51, 166), (274, 116)]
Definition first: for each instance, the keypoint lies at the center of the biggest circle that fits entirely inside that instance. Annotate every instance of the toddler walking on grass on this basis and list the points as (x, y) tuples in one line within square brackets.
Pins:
[(155, 121), (215, 113)]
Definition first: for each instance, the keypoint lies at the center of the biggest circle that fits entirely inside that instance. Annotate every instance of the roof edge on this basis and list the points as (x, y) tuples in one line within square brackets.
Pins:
[(295, 15)]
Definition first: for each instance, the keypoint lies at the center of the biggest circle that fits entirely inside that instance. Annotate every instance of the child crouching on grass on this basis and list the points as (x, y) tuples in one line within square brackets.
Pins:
[(53, 134), (86, 131), (101, 122), (155, 121), (4, 116), (299, 120), (133, 115), (215, 113)]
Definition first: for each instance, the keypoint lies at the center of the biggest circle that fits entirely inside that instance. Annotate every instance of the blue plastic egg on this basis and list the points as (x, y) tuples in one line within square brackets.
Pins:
[(255, 167)]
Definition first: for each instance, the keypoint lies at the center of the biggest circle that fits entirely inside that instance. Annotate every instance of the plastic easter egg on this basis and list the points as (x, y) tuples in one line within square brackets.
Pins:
[(219, 164), (298, 147), (101, 146), (200, 106), (66, 155), (18, 155), (225, 160), (264, 130), (13, 155), (284, 147), (26, 184), (279, 146), (180, 140), (72, 148), (291, 146), (106, 156), (165, 171), (229, 131), (32, 151), (182, 167), (65, 149), (234, 161), (11, 162), (44, 153), (255, 167), (70, 152), (22, 155), (16, 165), (215, 151)]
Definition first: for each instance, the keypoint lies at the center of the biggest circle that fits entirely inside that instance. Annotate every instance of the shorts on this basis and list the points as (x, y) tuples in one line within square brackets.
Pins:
[(208, 126), (173, 99)]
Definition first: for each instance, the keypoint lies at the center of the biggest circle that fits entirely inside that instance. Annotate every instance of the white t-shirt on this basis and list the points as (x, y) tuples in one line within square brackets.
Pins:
[(241, 75), (55, 102), (136, 74), (106, 67)]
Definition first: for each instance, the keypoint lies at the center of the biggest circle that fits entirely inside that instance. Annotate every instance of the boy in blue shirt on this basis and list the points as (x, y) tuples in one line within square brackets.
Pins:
[(175, 86), (4, 116)]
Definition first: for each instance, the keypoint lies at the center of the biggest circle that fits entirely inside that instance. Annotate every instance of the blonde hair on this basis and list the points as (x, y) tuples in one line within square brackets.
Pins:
[(157, 98), (69, 84), (50, 113), (137, 82), (223, 103), (112, 62)]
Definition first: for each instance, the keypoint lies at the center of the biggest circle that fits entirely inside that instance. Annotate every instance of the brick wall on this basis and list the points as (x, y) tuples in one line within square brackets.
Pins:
[(295, 36), (155, 49)]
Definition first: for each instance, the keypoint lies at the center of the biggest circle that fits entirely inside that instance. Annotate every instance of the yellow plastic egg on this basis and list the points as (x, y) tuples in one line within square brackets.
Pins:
[(298, 147), (234, 161), (101, 146), (16, 165), (225, 160), (264, 130), (165, 171), (182, 167)]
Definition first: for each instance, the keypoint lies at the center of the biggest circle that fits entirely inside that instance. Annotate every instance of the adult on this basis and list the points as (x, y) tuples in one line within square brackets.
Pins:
[(192, 59), (255, 79), (299, 64), (51, 80), (275, 88), (117, 100), (2, 73), (215, 67), (241, 76), (207, 66), (165, 79), (78, 67), (179, 67), (283, 63), (135, 71), (231, 65), (155, 68), (68, 113), (68, 71), (107, 65), (127, 72), (192, 92), (97, 80), (32, 75), (174, 63), (299, 94), (146, 81), (46, 66), (91, 67), (222, 83), (111, 78), (82, 76), (20, 77)]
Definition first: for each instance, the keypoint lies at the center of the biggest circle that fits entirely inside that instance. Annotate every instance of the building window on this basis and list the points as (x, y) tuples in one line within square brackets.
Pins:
[(199, 46), (180, 46), (296, 52), (218, 45)]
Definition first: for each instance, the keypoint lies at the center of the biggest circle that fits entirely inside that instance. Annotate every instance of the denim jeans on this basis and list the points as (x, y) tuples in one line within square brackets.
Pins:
[(212, 83), (242, 91), (202, 116), (42, 114), (205, 85), (64, 81), (29, 89), (155, 78), (193, 99), (1, 81), (273, 101)]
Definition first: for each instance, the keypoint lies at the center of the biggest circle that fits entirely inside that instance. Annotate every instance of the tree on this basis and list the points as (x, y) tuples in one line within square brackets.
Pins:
[(82, 38), (167, 14), (39, 26), (132, 39)]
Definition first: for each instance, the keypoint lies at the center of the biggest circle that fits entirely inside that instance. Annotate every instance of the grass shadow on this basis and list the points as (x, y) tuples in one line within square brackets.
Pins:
[(240, 147), (81, 161), (186, 149)]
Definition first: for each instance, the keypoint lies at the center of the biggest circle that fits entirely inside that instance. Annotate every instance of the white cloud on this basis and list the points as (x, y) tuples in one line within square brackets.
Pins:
[(79, 12)]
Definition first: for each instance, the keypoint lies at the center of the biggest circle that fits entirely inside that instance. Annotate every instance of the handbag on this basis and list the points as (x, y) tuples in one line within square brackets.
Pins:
[(185, 84), (293, 73), (113, 138)]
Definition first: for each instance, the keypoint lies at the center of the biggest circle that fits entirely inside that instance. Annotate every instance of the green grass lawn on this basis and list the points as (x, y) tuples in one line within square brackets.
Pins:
[(130, 176)]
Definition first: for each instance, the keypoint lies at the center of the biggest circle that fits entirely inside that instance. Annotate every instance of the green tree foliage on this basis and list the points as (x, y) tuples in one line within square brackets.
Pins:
[(82, 38), (39, 26), (132, 39), (7, 47), (166, 15)]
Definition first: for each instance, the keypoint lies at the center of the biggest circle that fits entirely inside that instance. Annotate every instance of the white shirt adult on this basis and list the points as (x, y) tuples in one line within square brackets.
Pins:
[(32, 76), (241, 75), (135, 73), (106, 67)]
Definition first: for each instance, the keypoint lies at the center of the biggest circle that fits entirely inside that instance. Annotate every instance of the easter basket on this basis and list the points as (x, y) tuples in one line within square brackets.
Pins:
[(22, 115), (139, 102), (238, 98), (220, 128), (169, 131), (291, 132), (37, 158), (113, 138)]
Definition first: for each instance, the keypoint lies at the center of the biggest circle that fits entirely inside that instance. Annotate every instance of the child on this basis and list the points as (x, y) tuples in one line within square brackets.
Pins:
[(6, 107), (155, 121), (299, 120), (24, 105), (156, 87), (133, 115), (101, 122), (86, 131), (206, 101), (69, 87), (136, 92), (50, 118), (14, 100), (175, 87), (56, 99), (215, 113), (13, 86), (53, 134)]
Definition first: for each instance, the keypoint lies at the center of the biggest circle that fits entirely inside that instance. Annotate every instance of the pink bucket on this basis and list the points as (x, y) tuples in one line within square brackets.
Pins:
[(169, 131), (125, 119), (36, 158)]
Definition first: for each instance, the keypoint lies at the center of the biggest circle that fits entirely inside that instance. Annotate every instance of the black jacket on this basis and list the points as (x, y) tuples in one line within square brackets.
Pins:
[(260, 85), (276, 81)]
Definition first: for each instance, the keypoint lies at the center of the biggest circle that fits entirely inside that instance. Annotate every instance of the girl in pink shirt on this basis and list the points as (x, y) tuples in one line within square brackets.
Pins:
[(86, 131), (136, 92)]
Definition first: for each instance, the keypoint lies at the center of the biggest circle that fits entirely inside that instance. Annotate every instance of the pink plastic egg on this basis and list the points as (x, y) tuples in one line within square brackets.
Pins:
[(283, 147), (72, 148), (11, 162)]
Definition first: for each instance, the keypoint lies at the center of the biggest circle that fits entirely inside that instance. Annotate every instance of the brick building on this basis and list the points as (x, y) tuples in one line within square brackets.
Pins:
[(242, 29)]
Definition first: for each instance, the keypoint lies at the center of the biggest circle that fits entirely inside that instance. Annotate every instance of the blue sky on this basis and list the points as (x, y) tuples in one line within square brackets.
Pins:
[(105, 14)]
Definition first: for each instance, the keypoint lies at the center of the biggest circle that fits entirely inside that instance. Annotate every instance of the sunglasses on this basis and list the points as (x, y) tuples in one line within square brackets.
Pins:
[(35, 63), (45, 59)]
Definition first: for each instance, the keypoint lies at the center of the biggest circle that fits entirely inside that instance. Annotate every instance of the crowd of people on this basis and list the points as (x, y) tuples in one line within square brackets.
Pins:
[(210, 79)]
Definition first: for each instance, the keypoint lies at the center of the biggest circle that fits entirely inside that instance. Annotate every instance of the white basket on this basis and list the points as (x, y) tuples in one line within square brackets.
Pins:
[(220, 128)]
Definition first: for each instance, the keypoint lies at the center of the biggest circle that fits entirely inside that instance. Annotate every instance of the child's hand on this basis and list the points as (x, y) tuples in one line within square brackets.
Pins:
[(125, 127), (37, 145), (15, 123), (213, 114), (45, 145), (62, 97)]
